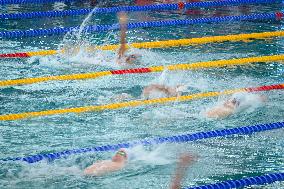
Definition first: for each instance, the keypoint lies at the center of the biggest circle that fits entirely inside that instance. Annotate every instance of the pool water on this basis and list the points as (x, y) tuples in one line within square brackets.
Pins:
[(219, 159)]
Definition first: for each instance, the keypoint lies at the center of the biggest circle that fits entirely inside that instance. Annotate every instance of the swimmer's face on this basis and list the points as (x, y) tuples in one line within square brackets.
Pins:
[(120, 156), (133, 59)]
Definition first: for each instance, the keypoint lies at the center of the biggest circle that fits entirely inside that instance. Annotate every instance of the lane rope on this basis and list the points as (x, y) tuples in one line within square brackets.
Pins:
[(135, 103), (9, 2), (152, 7), (241, 183), (247, 130), (189, 66), (134, 25), (157, 44)]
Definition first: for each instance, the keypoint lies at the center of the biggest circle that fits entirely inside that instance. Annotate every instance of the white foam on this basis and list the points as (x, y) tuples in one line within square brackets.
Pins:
[(42, 169), (249, 101), (159, 156)]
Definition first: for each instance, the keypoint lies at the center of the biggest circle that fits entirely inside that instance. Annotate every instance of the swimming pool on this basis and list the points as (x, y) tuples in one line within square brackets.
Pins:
[(150, 167)]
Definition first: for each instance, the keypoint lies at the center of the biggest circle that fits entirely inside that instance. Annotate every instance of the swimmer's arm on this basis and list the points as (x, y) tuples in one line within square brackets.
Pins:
[(103, 167), (168, 90), (182, 166), (123, 28), (92, 169), (163, 88), (219, 112)]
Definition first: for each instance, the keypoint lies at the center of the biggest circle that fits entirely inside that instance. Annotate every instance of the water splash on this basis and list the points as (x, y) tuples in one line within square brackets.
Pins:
[(76, 38), (161, 155), (249, 101)]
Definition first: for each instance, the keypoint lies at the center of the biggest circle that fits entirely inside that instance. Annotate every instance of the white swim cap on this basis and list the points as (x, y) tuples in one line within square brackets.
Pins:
[(181, 88)]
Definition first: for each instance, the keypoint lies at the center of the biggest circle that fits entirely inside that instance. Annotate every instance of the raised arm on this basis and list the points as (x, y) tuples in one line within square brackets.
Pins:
[(183, 163), (123, 28)]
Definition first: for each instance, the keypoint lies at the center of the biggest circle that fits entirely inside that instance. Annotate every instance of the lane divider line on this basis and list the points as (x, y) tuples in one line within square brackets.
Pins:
[(189, 66), (134, 25), (246, 130), (135, 103), (241, 183), (155, 44), (151, 7)]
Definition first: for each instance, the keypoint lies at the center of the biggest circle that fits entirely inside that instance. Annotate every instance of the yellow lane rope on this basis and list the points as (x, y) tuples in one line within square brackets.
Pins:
[(190, 66), (135, 103), (114, 106), (50, 78), (163, 44), (194, 41)]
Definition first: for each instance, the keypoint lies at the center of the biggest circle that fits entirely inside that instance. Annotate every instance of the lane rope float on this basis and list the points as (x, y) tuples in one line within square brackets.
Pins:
[(152, 7), (8, 2), (134, 25), (241, 183), (190, 66), (157, 44), (247, 130), (135, 103)]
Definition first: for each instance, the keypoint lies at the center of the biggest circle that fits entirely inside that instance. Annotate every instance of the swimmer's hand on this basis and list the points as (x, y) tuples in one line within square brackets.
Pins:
[(122, 18)]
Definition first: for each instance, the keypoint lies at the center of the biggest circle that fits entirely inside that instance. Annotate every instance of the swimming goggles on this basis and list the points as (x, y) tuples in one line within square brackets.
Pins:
[(121, 153)]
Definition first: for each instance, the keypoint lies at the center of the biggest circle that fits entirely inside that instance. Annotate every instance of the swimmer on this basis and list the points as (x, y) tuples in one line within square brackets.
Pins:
[(229, 107), (117, 162), (153, 91), (159, 91), (122, 57)]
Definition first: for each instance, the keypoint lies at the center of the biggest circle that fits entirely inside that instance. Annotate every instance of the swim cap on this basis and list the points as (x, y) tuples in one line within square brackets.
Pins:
[(134, 58), (181, 88), (238, 98)]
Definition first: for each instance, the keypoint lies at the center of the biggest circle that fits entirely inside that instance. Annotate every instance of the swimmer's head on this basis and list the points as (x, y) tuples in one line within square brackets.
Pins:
[(180, 88), (134, 59), (120, 156), (233, 102)]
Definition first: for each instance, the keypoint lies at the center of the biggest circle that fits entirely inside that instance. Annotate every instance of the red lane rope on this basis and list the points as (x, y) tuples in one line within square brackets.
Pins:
[(14, 55), (265, 88), (129, 71), (279, 15)]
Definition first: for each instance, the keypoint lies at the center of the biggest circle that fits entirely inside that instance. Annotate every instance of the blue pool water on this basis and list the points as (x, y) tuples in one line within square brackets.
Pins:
[(219, 159)]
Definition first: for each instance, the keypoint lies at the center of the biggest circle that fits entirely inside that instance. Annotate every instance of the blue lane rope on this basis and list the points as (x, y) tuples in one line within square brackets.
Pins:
[(240, 183), (104, 28), (153, 7), (9, 2), (172, 139)]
